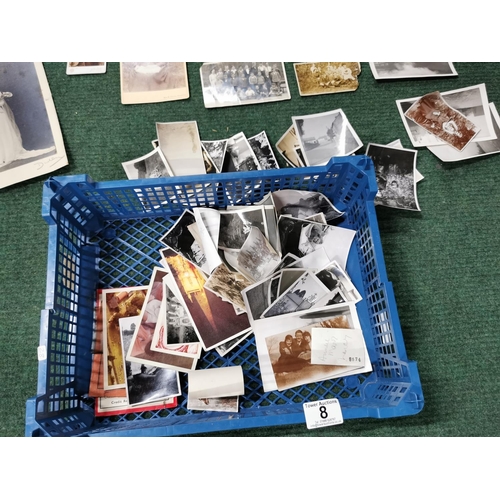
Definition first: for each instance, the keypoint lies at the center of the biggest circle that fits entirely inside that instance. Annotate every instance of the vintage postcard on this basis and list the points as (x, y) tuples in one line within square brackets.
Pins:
[(118, 303), (85, 68), (180, 144), (31, 142), (140, 347), (433, 114), (284, 347), (216, 382), (304, 204), (239, 83), (240, 156), (395, 174), (473, 149), (324, 135), (395, 70), (302, 295), (326, 77), (149, 166), (289, 146), (471, 102), (301, 238), (146, 82), (263, 151), (229, 404), (215, 320), (217, 151), (257, 258)]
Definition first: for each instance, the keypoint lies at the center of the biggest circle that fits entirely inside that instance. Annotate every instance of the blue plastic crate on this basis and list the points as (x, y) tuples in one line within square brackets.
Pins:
[(105, 235)]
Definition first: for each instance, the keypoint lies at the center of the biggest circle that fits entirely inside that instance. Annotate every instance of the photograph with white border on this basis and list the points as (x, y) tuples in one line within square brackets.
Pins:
[(395, 70), (263, 151), (325, 135), (240, 157), (150, 166), (288, 146), (85, 68), (217, 152), (316, 78)]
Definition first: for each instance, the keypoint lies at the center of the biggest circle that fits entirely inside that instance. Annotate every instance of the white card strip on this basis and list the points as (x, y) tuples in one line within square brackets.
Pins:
[(337, 346), (216, 382)]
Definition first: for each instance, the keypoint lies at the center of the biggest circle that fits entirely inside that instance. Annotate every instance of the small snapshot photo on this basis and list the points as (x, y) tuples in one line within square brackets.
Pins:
[(324, 135), (433, 114), (240, 156), (85, 68), (395, 173), (327, 77), (239, 83), (146, 82), (395, 70), (150, 166), (263, 151), (289, 148), (217, 152), (235, 225), (31, 142)]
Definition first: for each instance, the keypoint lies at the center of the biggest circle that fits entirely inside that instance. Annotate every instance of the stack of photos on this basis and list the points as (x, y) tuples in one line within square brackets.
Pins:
[(238, 83), (147, 82), (397, 70), (31, 142), (395, 170), (315, 78), (451, 120)]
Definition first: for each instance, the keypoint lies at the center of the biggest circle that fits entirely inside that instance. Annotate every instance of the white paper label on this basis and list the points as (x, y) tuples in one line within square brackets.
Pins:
[(323, 413), (42, 353), (337, 346)]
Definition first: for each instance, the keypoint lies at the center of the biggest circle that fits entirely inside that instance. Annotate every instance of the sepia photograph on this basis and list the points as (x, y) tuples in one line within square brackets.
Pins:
[(326, 77), (147, 82), (217, 152), (302, 295), (257, 258), (31, 142), (324, 135), (180, 144), (235, 225), (263, 151), (472, 102), (240, 156), (395, 174), (433, 114), (240, 83), (85, 68), (395, 70), (304, 204), (473, 149), (288, 147), (150, 166)]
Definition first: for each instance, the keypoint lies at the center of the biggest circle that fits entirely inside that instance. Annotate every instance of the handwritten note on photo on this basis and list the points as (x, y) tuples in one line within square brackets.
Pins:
[(337, 346)]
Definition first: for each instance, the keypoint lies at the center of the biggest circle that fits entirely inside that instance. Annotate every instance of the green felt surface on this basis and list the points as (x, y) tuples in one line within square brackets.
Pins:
[(443, 262)]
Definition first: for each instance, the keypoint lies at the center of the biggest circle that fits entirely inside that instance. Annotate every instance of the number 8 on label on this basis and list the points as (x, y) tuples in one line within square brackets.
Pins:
[(322, 412)]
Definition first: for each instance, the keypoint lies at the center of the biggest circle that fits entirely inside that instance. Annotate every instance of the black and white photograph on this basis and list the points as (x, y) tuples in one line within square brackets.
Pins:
[(287, 277), (301, 238), (240, 156), (395, 70), (180, 144), (263, 151), (304, 204), (324, 135), (228, 346), (150, 166), (217, 152), (228, 285), (334, 277), (473, 149), (257, 258), (235, 225), (471, 102), (180, 239), (302, 295), (257, 298), (145, 383), (288, 147), (229, 404), (239, 83), (315, 78), (31, 142), (395, 174), (85, 68), (147, 82)]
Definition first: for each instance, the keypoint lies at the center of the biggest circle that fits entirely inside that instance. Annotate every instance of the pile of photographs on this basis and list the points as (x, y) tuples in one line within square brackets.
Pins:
[(455, 125), (276, 269), (178, 150), (312, 140)]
